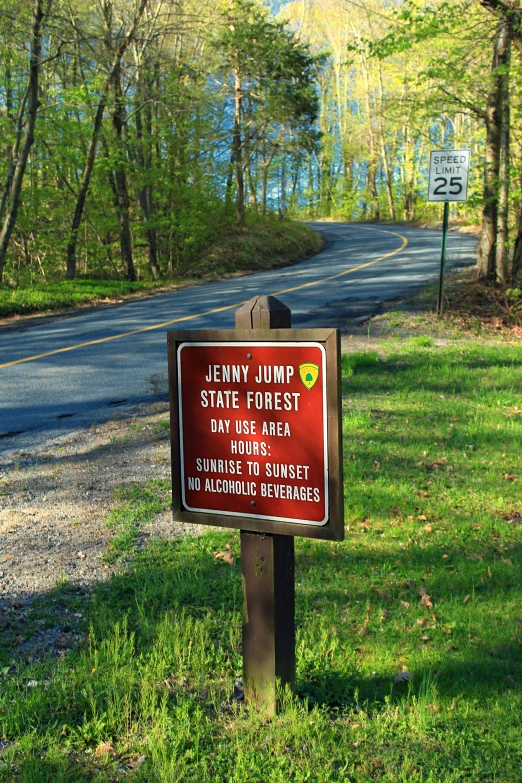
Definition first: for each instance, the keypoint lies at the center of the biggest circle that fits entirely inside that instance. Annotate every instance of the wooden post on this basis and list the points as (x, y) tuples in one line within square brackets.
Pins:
[(267, 564)]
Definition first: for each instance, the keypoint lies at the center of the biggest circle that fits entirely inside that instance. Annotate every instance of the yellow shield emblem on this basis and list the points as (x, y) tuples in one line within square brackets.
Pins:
[(309, 373)]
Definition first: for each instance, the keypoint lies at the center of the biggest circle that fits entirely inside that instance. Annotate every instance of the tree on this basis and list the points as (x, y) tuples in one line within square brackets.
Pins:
[(24, 136), (509, 12), (270, 76), (117, 44)]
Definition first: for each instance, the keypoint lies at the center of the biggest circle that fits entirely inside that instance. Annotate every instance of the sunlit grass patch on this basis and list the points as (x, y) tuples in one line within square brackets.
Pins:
[(135, 506), (65, 293), (408, 632)]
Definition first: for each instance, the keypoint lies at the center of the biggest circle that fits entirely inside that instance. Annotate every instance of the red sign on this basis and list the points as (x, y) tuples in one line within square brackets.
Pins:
[(253, 429)]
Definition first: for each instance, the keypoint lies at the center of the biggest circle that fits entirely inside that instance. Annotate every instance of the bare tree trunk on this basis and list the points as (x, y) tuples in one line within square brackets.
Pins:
[(120, 176), (145, 194), (503, 193), (516, 269), (387, 178), (371, 177), (347, 171), (265, 165), (230, 180), (91, 156), (282, 203), (386, 165), (311, 200), (13, 152), (488, 235), (237, 150), (19, 164)]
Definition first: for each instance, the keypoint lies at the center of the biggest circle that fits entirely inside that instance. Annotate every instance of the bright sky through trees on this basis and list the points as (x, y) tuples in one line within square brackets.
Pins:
[(132, 131)]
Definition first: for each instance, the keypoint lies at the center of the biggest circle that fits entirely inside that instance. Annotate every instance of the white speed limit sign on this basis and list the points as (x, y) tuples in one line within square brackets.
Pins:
[(448, 179)]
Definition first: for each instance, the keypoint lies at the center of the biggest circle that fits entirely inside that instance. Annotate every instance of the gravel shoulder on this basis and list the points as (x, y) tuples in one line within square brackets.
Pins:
[(54, 504)]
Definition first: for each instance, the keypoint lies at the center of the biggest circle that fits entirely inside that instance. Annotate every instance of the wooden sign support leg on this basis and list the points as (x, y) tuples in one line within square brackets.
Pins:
[(267, 564)]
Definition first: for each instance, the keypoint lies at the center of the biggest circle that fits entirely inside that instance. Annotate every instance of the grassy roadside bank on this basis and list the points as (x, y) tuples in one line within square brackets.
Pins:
[(263, 244), (409, 632)]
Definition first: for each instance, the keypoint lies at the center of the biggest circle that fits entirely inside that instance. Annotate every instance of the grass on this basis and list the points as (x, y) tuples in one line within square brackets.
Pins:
[(40, 297), (426, 585), (265, 243), (134, 507)]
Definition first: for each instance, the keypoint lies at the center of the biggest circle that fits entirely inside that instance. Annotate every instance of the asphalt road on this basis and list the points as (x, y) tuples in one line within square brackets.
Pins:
[(60, 374)]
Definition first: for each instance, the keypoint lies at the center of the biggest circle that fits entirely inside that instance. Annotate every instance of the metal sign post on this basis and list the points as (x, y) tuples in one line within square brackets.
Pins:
[(445, 221), (256, 445), (448, 181)]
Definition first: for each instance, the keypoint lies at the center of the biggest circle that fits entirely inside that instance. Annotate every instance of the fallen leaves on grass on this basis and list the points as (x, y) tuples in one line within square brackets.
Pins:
[(436, 465), (513, 517), (425, 598), (104, 749), (227, 556), (467, 598)]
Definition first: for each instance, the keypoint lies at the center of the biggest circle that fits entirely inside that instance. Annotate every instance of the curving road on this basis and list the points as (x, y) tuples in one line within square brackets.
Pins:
[(63, 373)]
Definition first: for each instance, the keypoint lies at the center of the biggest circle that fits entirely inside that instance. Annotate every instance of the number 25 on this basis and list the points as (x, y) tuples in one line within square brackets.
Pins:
[(455, 182)]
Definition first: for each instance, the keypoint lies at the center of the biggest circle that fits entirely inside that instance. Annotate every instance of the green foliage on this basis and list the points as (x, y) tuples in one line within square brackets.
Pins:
[(161, 160), (265, 243)]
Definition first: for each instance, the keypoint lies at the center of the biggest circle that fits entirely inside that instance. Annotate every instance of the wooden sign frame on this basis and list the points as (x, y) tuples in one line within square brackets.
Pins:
[(333, 529)]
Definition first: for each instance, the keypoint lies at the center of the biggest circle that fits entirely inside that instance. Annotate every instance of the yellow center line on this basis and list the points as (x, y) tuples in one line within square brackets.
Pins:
[(217, 309)]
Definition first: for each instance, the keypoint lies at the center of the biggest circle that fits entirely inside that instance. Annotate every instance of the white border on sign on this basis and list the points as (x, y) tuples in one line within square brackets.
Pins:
[(449, 197), (295, 344)]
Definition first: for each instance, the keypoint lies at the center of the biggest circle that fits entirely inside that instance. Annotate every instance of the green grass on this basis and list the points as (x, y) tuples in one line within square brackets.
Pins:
[(428, 581), (64, 293), (265, 243), (135, 506)]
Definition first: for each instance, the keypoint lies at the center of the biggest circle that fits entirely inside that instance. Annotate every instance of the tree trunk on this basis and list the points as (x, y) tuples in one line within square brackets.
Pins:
[(120, 177), (371, 177), (386, 165), (516, 269), (503, 194), (145, 194), (347, 172), (387, 178), (282, 203), (487, 242), (265, 165), (20, 163), (237, 150), (311, 200), (91, 156)]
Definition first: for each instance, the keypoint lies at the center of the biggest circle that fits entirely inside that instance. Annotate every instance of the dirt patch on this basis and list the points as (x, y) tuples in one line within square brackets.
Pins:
[(54, 503)]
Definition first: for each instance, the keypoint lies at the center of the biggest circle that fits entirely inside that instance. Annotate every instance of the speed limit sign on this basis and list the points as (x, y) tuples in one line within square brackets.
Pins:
[(448, 178)]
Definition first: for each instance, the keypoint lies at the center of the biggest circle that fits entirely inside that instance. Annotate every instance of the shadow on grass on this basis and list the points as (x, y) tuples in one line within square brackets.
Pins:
[(184, 580)]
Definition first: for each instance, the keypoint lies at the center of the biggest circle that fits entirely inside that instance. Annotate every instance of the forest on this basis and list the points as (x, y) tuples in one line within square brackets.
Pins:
[(134, 132)]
